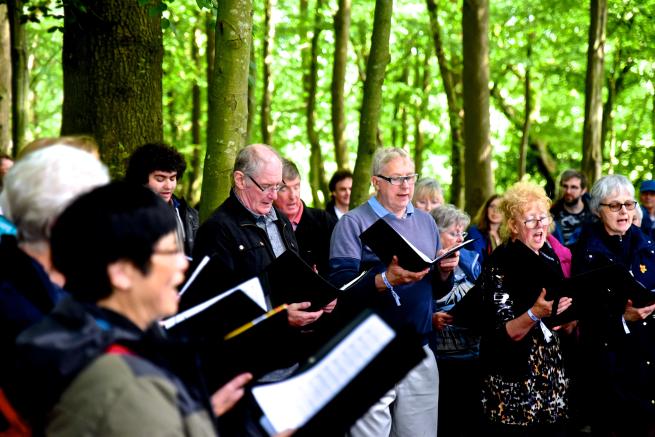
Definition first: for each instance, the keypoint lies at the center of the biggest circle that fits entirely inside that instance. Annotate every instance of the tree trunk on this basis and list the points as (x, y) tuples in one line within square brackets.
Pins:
[(19, 74), (422, 84), (267, 81), (252, 92), (341, 32), (371, 101), (614, 87), (591, 146), (455, 110), (194, 171), (228, 101), (525, 129), (112, 64), (399, 139), (316, 170), (479, 175), (5, 82)]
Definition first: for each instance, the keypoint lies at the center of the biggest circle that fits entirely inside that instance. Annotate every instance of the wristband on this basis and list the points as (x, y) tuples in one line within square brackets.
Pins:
[(390, 287), (533, 316)]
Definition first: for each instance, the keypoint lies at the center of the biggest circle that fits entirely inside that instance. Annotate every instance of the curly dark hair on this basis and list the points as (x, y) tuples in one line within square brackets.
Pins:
[(152, 157)]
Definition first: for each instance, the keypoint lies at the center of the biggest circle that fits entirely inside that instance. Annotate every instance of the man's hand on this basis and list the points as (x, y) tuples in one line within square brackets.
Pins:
[(330, 307), (441, 319), (633, 314), (447, 265), (396, 275), (298, 317), (229, 394)]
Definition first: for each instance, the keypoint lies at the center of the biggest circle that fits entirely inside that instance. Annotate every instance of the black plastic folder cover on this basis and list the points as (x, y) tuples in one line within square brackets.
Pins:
[(292, 280), (338, 385), (386, 242)]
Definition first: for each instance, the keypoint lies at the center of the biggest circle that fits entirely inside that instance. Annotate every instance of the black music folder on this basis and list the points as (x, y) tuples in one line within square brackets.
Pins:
[(292, 280), (386, 242), (334, 388)]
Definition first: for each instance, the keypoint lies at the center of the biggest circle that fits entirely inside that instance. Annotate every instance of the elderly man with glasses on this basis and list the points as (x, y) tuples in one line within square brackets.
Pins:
[(403, 297), (246, 233)]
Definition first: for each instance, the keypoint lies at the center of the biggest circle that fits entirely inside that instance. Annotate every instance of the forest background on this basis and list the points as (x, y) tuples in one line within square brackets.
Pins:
[(480, 94)]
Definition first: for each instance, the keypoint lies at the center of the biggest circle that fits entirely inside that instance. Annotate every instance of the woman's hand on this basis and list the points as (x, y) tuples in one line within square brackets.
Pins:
[(633, 314), (228, 395), (440, 320), (544, 308)]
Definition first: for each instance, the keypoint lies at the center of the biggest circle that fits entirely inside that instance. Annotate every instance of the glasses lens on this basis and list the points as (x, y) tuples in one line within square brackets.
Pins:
[(630, 205)]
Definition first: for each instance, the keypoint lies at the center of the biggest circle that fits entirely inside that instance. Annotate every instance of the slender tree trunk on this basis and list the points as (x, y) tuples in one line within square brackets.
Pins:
[(372, 101), (316, 171), (267, 80), (252, 92), (422, 84), (591, 146), (525, 129), (196, 107), (171, 110), (341, 33), (19, 74), (5, 82), (228, 101), (479, 175), (455, 110), (398, 128), (112, 63)]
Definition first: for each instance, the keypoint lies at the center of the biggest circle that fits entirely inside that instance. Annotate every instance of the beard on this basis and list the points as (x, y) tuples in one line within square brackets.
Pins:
[(572, 202)]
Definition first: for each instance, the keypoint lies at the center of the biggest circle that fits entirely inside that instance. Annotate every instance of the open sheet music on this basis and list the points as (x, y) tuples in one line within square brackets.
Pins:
[(291, 403)]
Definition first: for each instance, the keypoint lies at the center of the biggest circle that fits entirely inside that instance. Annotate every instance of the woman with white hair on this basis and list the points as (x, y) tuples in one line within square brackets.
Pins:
[(617, 343), (36, 190)]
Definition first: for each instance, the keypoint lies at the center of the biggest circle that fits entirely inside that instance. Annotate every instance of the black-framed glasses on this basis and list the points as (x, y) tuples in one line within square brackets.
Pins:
[(267, 188), (398, 180), (533, 223), (616, 206)]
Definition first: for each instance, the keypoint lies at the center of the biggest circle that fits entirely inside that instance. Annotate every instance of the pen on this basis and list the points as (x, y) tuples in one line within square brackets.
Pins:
[(255, 321)]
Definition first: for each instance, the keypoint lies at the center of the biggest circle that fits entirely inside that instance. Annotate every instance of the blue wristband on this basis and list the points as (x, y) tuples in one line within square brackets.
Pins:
[(390, 287), (533, 316)]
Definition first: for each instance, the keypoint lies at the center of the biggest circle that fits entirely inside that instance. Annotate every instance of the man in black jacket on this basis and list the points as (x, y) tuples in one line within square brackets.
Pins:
[(159, 167), (246, 233), (313, 227)]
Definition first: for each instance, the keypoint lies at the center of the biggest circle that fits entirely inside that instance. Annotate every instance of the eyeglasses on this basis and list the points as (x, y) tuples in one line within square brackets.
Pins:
[(457, 234), (616, 206), (267, 188), (398, 180), (533, 223)]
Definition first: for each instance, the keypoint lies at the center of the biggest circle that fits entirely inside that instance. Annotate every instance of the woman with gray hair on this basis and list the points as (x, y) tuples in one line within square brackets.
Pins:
[(36, 190), (617, 343), (456, 348)]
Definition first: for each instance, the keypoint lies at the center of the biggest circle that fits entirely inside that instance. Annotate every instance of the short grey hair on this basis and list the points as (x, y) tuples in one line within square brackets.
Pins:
[(447, 215), (250, 159), (607, 186), (383, 156), (42, 184)]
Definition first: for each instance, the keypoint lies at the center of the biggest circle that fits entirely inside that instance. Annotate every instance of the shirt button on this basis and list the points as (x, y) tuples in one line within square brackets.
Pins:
[(240, 246), (645, 323), (648, 363), (261, 243)]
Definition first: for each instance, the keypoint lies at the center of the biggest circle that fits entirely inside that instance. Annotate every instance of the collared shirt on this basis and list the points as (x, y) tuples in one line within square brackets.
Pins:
[(295, 220), (381, 211), (267, 223)]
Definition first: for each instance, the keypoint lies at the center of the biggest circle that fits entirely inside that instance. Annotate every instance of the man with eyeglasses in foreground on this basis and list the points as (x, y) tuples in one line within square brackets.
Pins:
[(403, 297), (246, 233)]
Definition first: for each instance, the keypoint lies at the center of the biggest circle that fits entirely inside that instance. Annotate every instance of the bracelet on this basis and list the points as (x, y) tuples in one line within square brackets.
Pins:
[(533, 316), (390, 287)]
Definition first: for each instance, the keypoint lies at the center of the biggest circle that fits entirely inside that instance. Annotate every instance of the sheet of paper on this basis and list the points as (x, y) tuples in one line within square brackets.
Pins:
[(348, 284), (195, 274), (291, 403), (252, 288)]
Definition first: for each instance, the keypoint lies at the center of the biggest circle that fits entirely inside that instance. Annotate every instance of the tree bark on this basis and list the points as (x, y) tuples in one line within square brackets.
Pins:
[(480, 182), (267, 80), (341, 33), (5, 82), (455, 110), (591, 141), (316, 170), (19, 74), (228, 101), (112, 64), (525, 129), (193, 173), (252, 92), (372, 101)]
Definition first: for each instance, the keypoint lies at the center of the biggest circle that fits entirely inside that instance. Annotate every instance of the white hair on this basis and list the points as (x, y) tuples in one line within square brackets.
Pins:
[(607, 186), (383, 156), (40, 186)]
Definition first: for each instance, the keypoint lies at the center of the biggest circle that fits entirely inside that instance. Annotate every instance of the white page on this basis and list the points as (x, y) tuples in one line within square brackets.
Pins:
[(348, 284), (289, 404), (252, 288), (423, 256), (195, 274)]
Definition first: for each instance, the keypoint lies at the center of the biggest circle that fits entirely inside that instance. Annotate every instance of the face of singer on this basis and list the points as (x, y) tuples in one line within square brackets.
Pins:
[(395, 198), (452, 235), (288, 198), (153, 296), (616, 223), (533, 238)]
